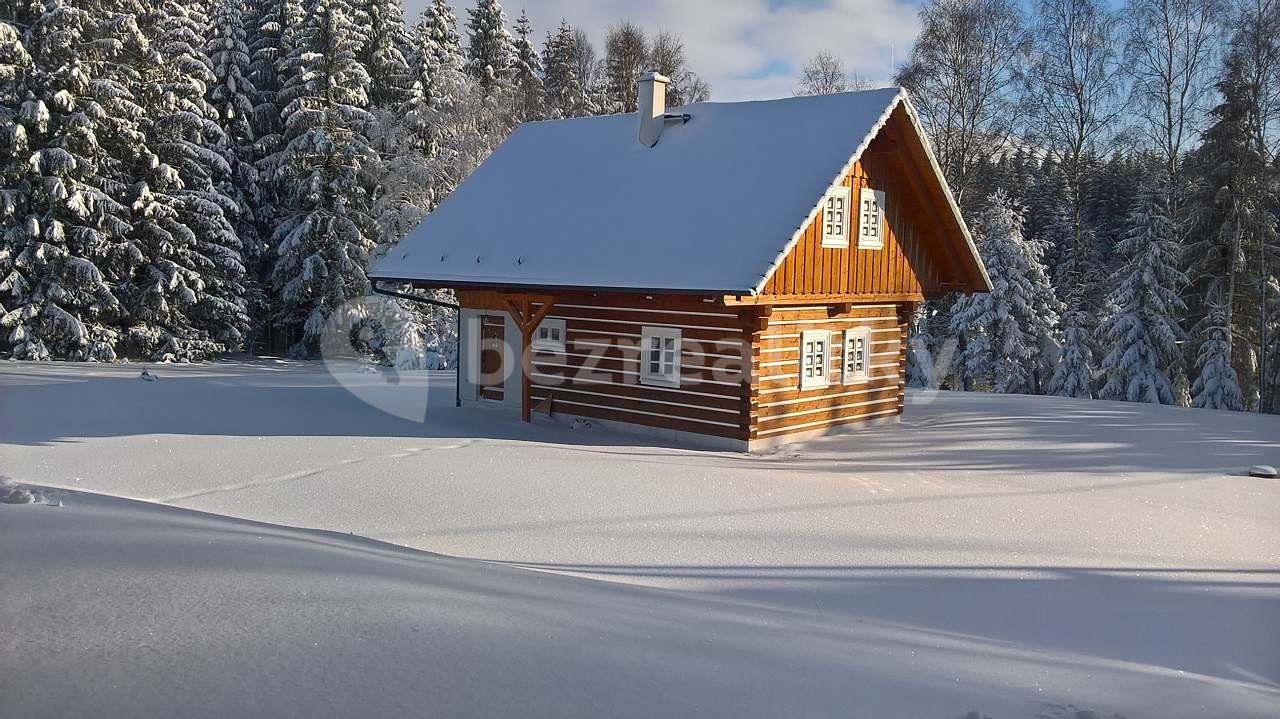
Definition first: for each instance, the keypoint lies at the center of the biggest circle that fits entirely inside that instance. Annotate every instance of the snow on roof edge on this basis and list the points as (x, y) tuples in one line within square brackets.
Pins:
[(473, 281)]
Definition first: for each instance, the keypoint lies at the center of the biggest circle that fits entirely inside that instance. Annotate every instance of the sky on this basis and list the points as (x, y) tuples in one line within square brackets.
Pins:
[(746, 49)]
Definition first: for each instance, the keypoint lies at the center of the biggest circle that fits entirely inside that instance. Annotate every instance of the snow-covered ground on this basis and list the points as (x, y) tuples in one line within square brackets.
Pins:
[(998, 554)]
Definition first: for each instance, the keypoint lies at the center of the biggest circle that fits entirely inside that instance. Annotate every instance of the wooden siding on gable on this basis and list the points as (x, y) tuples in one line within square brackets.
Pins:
[(901, 267)]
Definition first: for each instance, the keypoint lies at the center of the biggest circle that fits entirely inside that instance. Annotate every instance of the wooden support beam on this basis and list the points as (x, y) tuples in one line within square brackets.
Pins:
[(839, 308), (527, 319)]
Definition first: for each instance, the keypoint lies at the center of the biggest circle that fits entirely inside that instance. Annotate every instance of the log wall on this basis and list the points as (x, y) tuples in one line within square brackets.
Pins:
[(778, 405), (598, 374)]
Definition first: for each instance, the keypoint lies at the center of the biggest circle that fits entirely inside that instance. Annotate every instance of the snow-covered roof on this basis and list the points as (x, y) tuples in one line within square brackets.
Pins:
[(713, 207)]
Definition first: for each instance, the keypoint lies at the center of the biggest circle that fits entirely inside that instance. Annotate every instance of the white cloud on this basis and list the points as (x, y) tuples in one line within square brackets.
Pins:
[(747, 49)]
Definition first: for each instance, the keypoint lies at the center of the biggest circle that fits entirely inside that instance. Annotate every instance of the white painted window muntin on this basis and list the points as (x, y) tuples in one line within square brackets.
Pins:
[(660, 356), (835, 217), (549, 335), (870, 219), (815, 359), (856, 356)]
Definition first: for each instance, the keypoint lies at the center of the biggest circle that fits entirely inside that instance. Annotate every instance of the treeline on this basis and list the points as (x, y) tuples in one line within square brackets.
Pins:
[(1119, 168), (183, 179)]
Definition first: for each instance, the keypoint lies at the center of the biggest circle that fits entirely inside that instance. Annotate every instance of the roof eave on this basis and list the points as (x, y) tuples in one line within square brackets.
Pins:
[(451, 282), (985, 279)]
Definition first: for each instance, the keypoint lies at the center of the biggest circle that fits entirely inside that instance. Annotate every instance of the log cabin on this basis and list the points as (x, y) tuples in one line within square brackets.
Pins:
[(742, 275)]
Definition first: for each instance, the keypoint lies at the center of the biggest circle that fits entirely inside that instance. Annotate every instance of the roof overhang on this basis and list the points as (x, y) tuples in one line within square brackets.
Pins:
[(446, 282)]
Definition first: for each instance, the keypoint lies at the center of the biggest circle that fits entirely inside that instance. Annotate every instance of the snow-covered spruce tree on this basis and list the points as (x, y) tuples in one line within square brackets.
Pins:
[(1236, 232), (565, 92), (1270, 395), (185, 296), (384, 54), (1002, 330), (64, 170), (1142, 331), (530, 103), (235, 98), (417, 128), (489, 52), (231, 93), (15, 65), (436, 45), (412, 335), (1216, 386), (1110, 194), (273, 26), (1047, 207), (326, 230), (385, 59), (923, 361), (1073, 372)]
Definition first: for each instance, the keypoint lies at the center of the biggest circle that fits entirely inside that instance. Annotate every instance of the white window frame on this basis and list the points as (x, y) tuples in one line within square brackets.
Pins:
[(549, 344), (822, 377), (835, 234), (669, 378), (847, 373), (872, 219)]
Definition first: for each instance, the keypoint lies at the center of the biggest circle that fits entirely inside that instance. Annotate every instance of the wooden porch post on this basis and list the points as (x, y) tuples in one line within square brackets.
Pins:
[(527, 320)]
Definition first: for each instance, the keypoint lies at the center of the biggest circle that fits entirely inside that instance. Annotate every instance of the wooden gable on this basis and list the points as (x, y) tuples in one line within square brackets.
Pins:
[(924, 254)]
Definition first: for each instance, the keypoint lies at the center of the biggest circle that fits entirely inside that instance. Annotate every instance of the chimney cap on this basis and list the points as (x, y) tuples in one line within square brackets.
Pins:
[(654, 76)]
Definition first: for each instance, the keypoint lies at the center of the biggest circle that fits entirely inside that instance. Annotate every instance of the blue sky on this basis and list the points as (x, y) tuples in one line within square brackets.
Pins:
[(747, 49)]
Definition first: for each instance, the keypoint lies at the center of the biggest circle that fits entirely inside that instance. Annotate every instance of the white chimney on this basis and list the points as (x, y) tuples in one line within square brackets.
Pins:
[(652, 101)]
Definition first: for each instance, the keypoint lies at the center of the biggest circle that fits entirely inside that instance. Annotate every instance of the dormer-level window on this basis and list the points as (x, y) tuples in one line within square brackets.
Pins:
[(870, 219), (835, 217)]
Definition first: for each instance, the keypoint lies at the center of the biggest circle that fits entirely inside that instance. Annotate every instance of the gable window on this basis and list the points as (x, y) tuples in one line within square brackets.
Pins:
[(835, 217), (549, 336), (870, 219), (857, 355), (815, 358), (660, 356)]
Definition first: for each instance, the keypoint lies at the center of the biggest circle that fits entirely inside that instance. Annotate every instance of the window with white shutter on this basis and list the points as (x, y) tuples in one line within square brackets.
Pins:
[(856, 358), (870, 219), (815, 359), (835, 217)]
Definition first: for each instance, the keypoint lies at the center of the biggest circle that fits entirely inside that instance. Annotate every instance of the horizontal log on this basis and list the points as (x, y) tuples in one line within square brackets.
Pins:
[(730, 323), (589, 367), (809, 425), (815, 406), (692, 411), (632, 329), (713, 396), (664, 421)]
